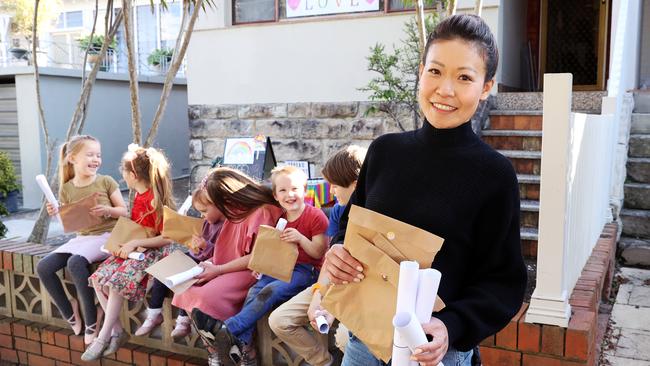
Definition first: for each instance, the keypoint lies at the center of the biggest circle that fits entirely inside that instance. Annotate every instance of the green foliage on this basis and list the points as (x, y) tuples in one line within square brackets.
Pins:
[(95, 44), (396, 85), (8, 180), (157, 56)]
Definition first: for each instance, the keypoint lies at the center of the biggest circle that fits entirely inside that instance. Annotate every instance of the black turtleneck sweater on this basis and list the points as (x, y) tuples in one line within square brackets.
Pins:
[(450, 183)]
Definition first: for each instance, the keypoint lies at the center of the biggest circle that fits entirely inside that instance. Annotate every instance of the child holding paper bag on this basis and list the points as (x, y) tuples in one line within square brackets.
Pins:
[(226, 279), (306, 227), (146, 171), (79, 160), (202, 249), (291, 319), (443, 179)]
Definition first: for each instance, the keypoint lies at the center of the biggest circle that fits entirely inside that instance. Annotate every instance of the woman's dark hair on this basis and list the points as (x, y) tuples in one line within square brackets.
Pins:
[(472, 29)]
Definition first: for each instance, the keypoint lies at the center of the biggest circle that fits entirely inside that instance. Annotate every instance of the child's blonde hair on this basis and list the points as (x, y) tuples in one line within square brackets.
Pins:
[(72, 147), (200, 196), (344, 166), (151, 166), (288, 170)]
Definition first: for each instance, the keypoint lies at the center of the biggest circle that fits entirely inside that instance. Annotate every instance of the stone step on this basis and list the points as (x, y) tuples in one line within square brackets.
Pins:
[(581, 101), (638, 169), (639, 146), (515, 120), (529, 242), (637, 196), (528, 186), (529, 214), (634, 252), (642, 102), (640, 123), (636, 223), (527, 140), (524, 162)]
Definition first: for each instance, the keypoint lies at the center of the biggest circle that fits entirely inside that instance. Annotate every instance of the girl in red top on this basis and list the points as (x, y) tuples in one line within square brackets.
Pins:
[(146, 171)]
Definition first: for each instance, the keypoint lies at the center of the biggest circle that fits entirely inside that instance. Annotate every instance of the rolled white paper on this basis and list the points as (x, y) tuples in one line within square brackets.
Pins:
[(185, 206), (323, 325), (47, 191), (282, 223), (407, 288), (138, 256), (429, 281), (409, 329), (179, 278)]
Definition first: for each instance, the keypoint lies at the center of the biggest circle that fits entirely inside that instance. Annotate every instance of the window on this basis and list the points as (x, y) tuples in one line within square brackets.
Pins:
[(398, 5), (70, 19), (253, 11)]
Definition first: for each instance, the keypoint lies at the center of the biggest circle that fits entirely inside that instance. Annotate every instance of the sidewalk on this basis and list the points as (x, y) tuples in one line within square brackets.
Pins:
[(628, 341)]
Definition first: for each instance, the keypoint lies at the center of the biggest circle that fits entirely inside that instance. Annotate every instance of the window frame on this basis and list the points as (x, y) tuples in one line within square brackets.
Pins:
[(275, 19)]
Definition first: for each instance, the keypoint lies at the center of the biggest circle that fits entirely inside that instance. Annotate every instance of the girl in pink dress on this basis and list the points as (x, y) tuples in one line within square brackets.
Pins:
[(226, 279)]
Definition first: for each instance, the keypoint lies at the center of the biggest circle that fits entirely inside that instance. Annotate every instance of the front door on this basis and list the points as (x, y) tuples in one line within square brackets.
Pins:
[(574, 39)]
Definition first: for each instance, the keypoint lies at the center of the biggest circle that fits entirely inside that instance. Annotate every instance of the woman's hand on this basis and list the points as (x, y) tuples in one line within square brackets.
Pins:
[(198, 243), (341, 267), (292, 235), (51, 210), (127, 248), (101, 211), (430, 354), (210, 271)]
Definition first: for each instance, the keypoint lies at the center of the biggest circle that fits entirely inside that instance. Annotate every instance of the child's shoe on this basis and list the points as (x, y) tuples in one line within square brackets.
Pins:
[(117, 341), (75, 319), (182, 327), (248, 355), (95, 350), (154, 319)]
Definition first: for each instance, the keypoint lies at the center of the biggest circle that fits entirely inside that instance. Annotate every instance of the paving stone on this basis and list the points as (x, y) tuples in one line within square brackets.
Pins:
[(631, 317), (634, 344), (620, 361), (635, 276), (640, 296), (624, 292)]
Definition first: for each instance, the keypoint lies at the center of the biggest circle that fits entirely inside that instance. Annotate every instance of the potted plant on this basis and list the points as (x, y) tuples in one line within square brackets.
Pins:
[(8, 185), (160, 58), (94, 45)]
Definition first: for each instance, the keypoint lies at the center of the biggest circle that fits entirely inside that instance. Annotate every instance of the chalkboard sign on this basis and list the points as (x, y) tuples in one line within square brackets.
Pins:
[(252, 155)]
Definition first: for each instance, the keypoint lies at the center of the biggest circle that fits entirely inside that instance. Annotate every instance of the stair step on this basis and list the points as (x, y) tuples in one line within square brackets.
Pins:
[(528, 178), (508, 133), (526, 120), (639, 146), (529, 237), (640, 123), (634, 251), (515, 112), (529, 233), (637, 196), (529, 205), (519, 154), (638, 169), (636, 223)]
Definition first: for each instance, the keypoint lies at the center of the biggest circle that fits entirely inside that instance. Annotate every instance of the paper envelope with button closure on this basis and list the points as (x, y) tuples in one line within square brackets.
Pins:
[(380, 243)]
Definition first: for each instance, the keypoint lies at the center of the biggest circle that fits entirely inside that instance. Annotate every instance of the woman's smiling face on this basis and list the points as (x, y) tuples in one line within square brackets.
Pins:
[(452, 82)]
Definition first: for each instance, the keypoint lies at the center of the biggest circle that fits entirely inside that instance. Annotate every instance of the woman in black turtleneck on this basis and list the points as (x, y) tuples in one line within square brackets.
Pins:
[(444, 179)]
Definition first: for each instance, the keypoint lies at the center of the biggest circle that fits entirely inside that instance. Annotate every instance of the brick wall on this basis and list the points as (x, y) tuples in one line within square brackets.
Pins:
[(528, 344)]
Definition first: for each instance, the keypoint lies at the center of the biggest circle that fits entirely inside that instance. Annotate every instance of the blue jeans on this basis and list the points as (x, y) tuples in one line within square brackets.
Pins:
[(266, 294), (357, 354)]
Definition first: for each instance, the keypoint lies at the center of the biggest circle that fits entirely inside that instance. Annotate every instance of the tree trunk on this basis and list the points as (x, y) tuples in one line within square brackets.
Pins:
[(133, 76), (478, 8), (39, 232), (177, 60), (451, 7)]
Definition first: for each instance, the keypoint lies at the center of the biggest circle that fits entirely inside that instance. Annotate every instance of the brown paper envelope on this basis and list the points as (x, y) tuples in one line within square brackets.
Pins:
[(172, 264), (76, 216), (180, 228), (380, 243), (272, 256), (124, 231)]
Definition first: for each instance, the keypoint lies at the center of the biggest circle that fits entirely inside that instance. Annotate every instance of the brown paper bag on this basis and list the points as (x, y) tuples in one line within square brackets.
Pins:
[(172, 264), (76, 216), (272, 256), (126, 230), (180, 228), (380, 243)]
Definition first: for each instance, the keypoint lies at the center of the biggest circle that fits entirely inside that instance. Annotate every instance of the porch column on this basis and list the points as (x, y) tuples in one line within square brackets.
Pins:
[(550, 300)]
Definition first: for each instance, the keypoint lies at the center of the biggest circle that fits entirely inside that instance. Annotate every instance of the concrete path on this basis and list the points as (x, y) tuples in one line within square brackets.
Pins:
[(629, 339)]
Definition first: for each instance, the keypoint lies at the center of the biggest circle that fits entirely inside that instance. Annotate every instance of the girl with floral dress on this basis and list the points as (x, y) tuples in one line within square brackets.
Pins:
[(146, 171)]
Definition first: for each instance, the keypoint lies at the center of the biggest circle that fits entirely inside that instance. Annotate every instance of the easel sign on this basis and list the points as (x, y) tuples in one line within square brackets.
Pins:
[(252, 155)]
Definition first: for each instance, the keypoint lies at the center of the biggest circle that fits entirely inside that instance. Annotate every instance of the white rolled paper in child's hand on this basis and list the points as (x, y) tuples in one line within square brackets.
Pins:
[(174, 280), (322, 324), (47, 191), (410, 330), (282, 223)]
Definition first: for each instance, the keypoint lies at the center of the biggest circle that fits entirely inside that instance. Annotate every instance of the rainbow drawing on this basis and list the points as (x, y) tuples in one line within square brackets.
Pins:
[(239, 151)]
